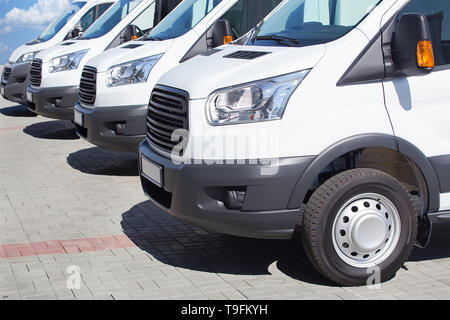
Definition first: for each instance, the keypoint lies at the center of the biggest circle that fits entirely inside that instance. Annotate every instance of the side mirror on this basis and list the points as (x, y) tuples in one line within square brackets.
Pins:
[(221, 33), (77, 31), (128, 34), (412, 48)]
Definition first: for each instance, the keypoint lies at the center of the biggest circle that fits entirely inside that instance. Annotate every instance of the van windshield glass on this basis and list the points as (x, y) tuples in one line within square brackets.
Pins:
[(182, 19), (60, 21), (300, 23), (110, 18)]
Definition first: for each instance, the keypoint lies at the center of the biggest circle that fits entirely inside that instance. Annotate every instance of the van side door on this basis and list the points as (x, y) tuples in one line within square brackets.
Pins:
[(419, 107)]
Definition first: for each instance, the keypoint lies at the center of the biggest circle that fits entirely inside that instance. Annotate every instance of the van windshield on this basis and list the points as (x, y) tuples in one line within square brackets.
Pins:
[(182, 19), (60, 21), (110, 18), (300, 23)]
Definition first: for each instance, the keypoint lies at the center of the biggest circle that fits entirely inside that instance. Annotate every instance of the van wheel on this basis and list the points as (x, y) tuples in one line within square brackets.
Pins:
[(359, 227)]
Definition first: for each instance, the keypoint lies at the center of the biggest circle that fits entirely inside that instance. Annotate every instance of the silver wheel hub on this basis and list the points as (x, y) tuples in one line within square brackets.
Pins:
[(366, 230)]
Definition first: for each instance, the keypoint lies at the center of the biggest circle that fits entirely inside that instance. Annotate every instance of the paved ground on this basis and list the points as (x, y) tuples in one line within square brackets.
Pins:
[(64, 202)]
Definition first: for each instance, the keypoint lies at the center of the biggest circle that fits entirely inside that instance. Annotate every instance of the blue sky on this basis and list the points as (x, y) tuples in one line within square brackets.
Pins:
[(24, 20)]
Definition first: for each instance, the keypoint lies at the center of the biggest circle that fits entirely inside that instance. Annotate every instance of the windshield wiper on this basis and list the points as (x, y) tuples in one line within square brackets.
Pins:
[(154, 39), (277, 39)]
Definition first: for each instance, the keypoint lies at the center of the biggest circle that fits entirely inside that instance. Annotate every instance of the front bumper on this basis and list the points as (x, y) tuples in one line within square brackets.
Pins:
[(16, 86), (55, 103), (115, 128), (194, 193)]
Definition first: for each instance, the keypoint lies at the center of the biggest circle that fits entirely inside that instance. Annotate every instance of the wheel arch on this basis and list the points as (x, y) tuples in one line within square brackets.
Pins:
[(354, 143)]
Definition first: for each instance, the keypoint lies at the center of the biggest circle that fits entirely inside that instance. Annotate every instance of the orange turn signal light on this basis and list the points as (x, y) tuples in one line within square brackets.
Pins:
[(227, 39), (425, 57), (134, 37)]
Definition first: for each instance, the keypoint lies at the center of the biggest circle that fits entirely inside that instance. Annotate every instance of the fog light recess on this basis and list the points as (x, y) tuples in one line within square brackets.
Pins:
[(234, 199)]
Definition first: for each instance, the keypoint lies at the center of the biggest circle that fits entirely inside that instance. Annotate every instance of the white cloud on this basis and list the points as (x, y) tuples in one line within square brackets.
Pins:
[(5, 29), (41, 13), (3, 47)]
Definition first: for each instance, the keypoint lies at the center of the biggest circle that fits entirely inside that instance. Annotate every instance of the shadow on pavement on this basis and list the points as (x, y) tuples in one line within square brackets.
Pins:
[(99, 161), (17, 111), (175, 243), (52, 130)]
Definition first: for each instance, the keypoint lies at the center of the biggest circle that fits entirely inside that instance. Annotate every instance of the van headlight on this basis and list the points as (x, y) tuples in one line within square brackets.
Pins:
[(69, 61), (257, 101), (131, 72), (27, 57)]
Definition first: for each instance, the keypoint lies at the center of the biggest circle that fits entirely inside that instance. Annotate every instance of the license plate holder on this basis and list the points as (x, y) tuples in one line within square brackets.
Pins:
[(152, 171), (78, 118), (29, 96)]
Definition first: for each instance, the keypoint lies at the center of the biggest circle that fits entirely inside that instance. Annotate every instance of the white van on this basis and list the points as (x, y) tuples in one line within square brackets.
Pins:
[(71, 23), (113, 114), (55, 73), (330, 118)]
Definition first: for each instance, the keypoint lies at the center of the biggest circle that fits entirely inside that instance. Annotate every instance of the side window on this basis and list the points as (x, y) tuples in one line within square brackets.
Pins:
[(438, 15), (102, 8), (235, 16), (145, 21), (88, 19), (136, 29), (246, 14)]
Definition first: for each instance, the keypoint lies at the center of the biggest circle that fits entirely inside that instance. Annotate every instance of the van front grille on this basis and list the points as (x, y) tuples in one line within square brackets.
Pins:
[(88, 86), (36, 72), (6, 74), (167, 112)]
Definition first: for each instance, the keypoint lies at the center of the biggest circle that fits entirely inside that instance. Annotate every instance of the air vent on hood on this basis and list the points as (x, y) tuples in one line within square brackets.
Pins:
[(67, 43), (247, 55), (131, 46)]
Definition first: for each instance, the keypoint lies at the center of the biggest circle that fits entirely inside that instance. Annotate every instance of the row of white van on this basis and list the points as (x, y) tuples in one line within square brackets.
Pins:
[(326, 118)]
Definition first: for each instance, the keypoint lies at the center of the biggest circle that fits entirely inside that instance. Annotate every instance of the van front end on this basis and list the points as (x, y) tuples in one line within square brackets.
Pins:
[(114, 94), (14, 82), (54, 80)]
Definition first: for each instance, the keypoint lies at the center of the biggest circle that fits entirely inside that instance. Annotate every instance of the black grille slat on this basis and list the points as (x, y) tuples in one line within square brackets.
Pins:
[(247, 55), (160, 125), (36, 72), (169, 116), (159, 131), (6, 74), (88, 86), (167, 112)]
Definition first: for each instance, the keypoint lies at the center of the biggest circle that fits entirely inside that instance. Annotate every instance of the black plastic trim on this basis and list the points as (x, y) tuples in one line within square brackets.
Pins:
[(44, 100), (194, 192), (366, 141), (99, 126), (442, 166)]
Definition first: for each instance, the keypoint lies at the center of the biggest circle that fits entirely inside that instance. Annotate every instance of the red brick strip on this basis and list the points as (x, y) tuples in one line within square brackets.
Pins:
[(11, 129), (65, 246)]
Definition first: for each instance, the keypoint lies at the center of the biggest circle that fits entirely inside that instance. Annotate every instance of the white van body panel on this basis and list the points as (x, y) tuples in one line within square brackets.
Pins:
[(60, 36), (420, 103), (173, 53), (95, 47), (310, 101)]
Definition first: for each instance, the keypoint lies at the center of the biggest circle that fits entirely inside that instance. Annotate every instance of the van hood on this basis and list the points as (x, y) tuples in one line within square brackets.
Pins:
[(66, 47), (127, 52), (26, 48), (232, 65)]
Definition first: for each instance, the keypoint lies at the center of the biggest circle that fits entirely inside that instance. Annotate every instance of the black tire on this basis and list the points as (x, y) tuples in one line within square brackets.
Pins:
[(323, 207)]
